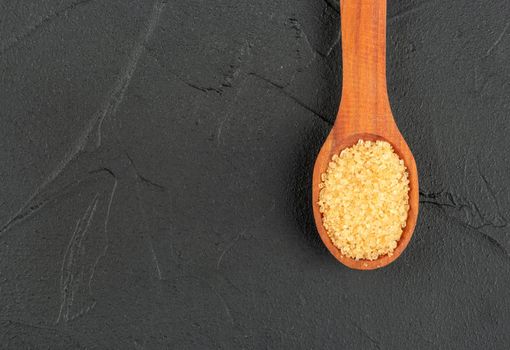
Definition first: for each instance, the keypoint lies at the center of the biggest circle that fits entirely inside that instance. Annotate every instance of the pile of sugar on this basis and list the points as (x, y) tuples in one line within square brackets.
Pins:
[(364, 200)]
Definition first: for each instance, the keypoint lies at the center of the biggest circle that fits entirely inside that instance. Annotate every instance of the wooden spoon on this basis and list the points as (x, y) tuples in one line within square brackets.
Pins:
[(365, 113)]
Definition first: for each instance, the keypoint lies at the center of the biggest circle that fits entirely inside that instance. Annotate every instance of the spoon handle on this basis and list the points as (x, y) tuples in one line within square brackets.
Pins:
[(364, 91)]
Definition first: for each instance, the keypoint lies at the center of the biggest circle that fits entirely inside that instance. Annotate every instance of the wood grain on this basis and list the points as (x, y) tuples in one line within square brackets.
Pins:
[(365, 113)]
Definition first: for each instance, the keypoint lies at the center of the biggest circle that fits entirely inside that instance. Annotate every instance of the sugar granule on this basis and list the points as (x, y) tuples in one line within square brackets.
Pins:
[(364, 200)]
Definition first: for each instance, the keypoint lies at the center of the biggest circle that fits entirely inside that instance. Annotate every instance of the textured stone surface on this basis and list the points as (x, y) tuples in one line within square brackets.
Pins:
[(156, 165)]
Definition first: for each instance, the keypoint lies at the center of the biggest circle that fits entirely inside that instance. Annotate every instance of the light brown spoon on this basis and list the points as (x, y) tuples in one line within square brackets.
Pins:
[(365, 113)]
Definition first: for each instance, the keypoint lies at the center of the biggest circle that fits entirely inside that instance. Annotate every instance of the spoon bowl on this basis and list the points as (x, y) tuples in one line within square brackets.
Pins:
[(333, 146), (365, 114)]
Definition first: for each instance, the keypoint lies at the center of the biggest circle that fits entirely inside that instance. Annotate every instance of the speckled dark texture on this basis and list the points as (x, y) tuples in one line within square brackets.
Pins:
[(156, 164)]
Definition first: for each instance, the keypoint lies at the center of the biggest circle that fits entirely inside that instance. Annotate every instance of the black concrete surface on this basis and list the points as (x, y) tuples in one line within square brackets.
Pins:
[(155, 175)]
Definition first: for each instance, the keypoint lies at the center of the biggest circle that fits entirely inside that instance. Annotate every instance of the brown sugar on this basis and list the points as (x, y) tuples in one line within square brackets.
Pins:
[(364, 200)]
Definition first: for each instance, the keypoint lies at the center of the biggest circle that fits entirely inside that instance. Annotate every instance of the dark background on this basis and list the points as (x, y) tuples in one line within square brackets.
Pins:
[(155, 172)]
